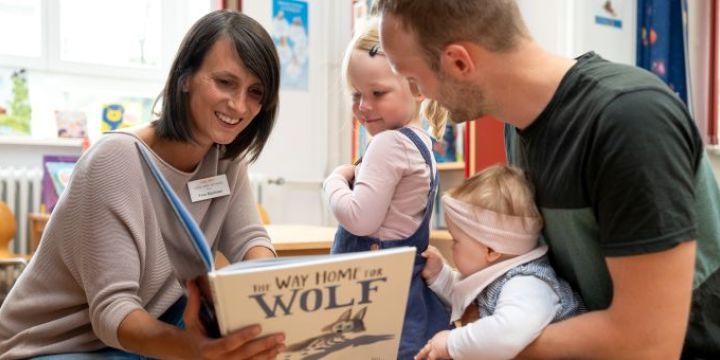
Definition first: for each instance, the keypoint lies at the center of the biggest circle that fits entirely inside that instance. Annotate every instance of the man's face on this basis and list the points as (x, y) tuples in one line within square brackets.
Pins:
[(463, 99), (405, 56)]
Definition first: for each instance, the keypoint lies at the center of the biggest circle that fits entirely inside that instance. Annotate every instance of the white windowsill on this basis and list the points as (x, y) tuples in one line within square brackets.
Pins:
[(30, 141)]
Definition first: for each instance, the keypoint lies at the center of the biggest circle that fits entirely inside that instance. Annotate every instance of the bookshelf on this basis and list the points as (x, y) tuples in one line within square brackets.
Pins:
[(451, 166)]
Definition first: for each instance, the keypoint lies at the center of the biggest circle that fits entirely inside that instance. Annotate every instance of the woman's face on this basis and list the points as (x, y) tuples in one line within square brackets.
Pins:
[(224, 96), (381, 99)]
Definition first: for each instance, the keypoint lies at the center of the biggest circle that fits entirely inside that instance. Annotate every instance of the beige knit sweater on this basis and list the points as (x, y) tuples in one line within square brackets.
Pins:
[(102, 256)]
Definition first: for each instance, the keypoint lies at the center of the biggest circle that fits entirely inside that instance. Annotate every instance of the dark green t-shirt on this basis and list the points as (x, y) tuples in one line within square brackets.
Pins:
[(619, 169)]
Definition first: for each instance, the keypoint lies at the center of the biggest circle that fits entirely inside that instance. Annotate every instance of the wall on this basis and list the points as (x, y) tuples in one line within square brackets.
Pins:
[(312, 132), (568, 28), (551, 24)]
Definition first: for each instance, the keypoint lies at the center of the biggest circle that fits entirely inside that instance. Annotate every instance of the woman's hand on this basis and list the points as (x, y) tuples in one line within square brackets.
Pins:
[(241, 344), (436, 348), (346, 171), (434, 264)]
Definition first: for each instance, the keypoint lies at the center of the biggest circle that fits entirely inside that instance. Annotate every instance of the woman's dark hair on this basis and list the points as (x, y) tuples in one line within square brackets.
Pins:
[(256, 49)]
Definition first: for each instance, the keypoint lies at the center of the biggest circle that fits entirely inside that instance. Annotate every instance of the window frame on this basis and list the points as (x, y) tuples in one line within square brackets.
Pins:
[(173, 27)]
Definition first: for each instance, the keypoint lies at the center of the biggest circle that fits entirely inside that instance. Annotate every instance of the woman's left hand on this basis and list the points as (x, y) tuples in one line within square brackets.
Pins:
[(436, 348)]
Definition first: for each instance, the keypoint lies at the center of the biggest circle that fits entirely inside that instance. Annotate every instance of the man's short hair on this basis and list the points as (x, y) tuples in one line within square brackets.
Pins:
[(496, 25)]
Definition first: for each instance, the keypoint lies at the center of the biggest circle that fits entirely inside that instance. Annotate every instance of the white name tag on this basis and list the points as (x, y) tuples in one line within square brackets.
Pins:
[(208, 188)]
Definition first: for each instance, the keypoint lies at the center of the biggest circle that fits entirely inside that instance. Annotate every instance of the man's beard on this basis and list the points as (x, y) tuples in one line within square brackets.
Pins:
[(463, 100)]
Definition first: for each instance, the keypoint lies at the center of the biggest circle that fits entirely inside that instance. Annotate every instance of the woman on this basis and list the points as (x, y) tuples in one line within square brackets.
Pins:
[(101, 282)]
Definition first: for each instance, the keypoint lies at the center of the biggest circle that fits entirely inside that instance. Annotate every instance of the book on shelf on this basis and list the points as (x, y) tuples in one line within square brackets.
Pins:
[(444, 148), (437, 218), (71, 124), (451, 148), (460, 142), (57, 170), (347, 306), (360, 140)]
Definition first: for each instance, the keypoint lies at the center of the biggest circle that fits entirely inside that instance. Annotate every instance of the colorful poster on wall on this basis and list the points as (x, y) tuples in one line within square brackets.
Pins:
[(290, 34), (609, 13)]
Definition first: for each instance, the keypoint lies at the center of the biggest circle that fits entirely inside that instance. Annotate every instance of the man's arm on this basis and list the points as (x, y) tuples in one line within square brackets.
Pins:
[(647, 318)]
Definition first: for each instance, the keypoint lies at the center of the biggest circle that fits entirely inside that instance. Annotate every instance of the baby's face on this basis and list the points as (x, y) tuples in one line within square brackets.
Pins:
[(469, 255)]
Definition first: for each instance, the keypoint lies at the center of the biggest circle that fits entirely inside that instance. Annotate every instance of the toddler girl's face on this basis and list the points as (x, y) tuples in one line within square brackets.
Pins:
[(382, 100), (469, 255)]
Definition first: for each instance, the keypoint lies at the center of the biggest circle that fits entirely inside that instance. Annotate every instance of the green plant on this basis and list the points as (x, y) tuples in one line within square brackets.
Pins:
[(18, 118)]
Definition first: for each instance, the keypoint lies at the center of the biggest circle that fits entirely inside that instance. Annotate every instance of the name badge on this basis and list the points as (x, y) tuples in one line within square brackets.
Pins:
[(208, 188)]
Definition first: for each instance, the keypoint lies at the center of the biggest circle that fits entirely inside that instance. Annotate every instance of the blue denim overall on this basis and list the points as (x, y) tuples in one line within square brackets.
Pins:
[(425, 314)]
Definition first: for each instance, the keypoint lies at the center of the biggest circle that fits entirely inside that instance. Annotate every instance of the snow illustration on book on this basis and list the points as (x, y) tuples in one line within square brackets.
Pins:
[(333, 338)]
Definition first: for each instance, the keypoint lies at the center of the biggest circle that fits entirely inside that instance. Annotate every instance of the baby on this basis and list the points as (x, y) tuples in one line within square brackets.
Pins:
[(504, 291)]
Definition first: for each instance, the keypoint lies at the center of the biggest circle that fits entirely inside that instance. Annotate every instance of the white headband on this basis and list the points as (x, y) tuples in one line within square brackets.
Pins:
[(507, 234)]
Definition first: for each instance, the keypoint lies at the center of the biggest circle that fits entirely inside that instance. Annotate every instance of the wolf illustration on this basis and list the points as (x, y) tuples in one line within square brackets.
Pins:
[(334, 332)]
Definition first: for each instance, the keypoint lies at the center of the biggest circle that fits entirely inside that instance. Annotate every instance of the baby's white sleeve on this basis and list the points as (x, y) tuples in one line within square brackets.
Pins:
[(443, 284), (525, 306)]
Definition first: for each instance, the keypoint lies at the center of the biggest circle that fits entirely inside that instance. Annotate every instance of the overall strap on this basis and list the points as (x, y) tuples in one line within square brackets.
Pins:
[(427, 156)]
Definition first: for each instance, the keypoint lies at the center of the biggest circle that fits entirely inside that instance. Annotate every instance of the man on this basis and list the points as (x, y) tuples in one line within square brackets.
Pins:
[(632, 209)]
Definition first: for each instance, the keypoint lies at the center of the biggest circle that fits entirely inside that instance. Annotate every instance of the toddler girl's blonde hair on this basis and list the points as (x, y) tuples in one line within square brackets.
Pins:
[(369, 40), (499, 188)]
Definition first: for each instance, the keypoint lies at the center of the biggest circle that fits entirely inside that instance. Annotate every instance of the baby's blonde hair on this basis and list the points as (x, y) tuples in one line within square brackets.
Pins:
[(502, 189), (369, 40)]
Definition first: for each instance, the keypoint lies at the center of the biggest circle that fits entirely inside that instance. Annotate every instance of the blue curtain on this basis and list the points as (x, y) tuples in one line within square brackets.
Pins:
[(662, 42)]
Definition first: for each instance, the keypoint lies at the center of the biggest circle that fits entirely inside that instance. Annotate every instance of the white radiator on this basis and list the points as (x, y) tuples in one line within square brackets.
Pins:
[(20, 189)]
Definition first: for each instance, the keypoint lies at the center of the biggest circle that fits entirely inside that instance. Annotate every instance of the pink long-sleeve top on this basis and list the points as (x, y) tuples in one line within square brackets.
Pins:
[(390, 191)]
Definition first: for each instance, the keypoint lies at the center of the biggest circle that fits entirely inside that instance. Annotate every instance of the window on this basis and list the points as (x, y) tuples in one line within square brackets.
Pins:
[(121, 33), (20, 28), (81, 55)]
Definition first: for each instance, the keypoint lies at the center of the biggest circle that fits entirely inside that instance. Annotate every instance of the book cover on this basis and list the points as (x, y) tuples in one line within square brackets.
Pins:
[(55, 177), (71, 124), (363, 141), (460, 142), (60, 173), (329, 306), (444, 149), (113, 116), (347, 306)]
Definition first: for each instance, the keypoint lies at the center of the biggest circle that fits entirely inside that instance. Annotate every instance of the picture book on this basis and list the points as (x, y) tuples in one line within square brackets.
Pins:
[(60, 174), (113, 116), (348, 306), (444, 149), (71, 124), (56, 175)]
